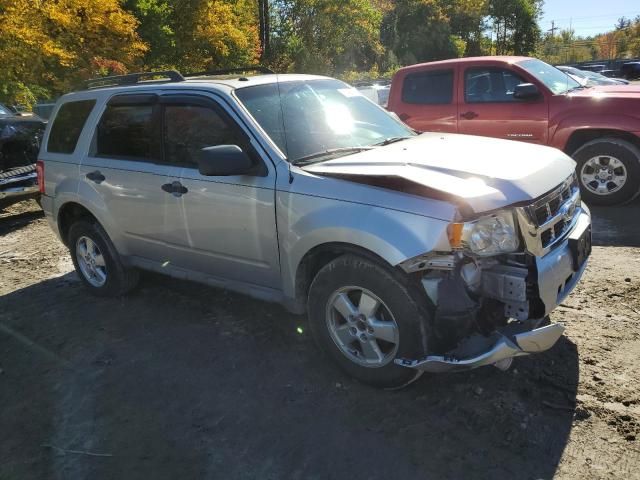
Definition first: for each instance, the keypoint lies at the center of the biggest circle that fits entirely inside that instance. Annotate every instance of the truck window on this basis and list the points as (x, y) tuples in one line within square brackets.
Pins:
[(126, 131), (490, 85), (428, 88), (68, 125)]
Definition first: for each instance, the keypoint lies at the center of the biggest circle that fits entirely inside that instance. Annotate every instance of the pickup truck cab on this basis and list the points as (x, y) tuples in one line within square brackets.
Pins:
[(407, 253), (521, 98)]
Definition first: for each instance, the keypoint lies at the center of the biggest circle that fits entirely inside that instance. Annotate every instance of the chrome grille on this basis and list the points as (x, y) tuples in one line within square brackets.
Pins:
[(550, 218)]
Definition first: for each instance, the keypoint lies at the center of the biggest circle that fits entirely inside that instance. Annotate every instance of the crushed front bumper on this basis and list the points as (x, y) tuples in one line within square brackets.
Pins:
[(21, 186), (504, 348), (555, 275)]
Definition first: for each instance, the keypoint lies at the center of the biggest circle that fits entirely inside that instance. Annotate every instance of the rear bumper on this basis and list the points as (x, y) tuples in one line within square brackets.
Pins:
[(17, 188)]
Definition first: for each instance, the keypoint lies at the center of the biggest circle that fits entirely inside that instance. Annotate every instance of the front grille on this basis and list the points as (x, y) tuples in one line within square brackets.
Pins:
[(552, 216)]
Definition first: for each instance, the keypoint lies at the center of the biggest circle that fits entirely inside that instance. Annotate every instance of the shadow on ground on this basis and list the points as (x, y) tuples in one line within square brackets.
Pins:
[(183, 381), (11, 222), (617, 226)]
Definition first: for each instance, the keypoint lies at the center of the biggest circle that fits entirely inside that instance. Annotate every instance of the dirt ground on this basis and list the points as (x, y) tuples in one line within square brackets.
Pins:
[(181, 381)]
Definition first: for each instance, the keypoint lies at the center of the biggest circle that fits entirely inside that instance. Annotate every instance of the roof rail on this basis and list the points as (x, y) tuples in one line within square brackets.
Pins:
[(133, 78), (227, 71)]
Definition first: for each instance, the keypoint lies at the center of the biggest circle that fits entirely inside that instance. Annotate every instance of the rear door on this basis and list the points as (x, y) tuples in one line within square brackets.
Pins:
[(488, 108), (124, 169), (428, 100), (221, 226)]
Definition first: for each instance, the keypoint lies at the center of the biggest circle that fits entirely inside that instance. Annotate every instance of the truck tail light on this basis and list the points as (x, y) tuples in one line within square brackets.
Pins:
[(40, 173)]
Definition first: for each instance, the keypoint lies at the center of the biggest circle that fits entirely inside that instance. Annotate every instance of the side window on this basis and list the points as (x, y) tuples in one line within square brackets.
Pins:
[(428, 88), (490, 85), (190, 128), (126, 131), (68, 125)]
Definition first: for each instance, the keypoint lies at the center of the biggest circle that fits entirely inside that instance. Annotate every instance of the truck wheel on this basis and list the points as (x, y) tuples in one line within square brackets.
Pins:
[(608, 171), (97, 262), (365, 317)]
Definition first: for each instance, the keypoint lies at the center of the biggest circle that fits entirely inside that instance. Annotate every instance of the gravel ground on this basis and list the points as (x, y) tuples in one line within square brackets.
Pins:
[(183, 381)]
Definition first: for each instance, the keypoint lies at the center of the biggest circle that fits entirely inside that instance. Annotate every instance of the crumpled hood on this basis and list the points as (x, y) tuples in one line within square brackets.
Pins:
[(479, 172)]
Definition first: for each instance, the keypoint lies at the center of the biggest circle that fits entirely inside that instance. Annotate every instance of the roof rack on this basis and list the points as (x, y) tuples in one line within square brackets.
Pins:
[(133, 78), (227, 71)]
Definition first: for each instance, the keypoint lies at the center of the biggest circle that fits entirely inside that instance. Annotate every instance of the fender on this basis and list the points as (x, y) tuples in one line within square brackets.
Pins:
[(560, 135), (88, 198), (392, 235)]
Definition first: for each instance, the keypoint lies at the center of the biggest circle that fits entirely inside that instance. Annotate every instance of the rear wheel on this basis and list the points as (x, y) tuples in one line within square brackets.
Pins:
[(97, 262), (365, 317), (608, 171)]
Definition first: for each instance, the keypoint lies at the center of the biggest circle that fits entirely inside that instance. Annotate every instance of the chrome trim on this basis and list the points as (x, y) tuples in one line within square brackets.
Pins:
[(567, 211)]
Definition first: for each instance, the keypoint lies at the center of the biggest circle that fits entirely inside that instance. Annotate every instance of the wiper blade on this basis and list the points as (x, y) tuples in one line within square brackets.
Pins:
[(317, 157), (389, 141)]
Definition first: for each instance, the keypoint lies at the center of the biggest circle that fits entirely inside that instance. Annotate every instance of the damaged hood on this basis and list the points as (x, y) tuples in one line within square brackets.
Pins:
[(478, 173)]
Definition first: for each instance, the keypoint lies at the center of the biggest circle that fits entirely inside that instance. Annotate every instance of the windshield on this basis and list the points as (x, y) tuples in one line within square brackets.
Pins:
[(307, 118), (4, 110), (555, 80)]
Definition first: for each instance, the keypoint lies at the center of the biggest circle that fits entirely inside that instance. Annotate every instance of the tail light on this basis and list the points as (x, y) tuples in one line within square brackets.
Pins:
[(40, 173)]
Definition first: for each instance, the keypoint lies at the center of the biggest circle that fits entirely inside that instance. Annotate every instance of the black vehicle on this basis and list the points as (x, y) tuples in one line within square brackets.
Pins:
[(630, 70), (20, 136)]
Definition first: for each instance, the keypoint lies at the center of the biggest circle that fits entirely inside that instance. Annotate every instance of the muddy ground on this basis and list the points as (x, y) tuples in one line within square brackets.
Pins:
[(180, 381)]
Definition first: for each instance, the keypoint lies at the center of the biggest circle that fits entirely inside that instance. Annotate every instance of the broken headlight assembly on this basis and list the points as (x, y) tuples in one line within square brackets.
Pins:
[(488, 235)]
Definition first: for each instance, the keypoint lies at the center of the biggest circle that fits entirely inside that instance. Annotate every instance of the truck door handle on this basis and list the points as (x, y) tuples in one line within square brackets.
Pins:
[(469, 115), (96, 177), (175, 188)]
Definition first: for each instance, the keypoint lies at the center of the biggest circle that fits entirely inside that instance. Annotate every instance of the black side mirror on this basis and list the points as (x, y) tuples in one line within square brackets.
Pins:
[(223, 160), (526, 91)]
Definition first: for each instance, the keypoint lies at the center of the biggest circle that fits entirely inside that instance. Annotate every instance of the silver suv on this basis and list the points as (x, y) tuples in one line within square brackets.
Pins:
[(409, 253)]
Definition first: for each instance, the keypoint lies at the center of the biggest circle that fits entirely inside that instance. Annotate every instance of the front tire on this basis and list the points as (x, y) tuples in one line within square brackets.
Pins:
[(97, 262), (608, 171), (364, 316)]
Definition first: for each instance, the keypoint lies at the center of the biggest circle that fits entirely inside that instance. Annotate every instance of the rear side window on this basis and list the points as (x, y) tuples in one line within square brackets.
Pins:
[(428, 88), (126, 131), (68, 125)]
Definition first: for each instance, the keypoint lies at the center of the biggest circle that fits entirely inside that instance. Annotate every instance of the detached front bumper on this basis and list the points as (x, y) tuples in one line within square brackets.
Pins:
[(505, 347)]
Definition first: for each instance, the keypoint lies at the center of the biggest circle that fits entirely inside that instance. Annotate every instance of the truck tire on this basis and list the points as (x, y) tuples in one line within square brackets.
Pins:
[(97, 262), (365, 317), (608, 171)]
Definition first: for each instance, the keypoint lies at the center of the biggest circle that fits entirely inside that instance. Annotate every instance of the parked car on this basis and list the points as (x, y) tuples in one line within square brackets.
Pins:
[(376, 91), (521, 98), (20, 136), (409, 252), (590, 79), (594, 67), (630, 70)]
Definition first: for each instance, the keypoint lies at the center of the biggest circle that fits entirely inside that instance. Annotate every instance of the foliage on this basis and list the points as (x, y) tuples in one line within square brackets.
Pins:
[(53, 45), (324, 36), (515, 23)]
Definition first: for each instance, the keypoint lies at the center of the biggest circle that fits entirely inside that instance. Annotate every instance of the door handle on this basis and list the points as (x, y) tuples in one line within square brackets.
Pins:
[(469, 115), (96, 177), (175, 188)]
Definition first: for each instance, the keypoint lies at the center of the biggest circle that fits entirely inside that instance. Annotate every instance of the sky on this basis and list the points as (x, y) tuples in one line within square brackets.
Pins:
[(587, 17)]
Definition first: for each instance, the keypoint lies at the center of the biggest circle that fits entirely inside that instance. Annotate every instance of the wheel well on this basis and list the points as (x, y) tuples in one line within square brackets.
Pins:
[(318, 257), (580, 137), (70, 213)]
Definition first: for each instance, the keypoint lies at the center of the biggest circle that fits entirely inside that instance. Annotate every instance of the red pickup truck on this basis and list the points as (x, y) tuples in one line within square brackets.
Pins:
[(521, 98)]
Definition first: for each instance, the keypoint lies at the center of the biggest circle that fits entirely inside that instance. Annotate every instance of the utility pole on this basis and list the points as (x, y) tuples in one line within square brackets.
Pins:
[(263, 15), (553, 28)]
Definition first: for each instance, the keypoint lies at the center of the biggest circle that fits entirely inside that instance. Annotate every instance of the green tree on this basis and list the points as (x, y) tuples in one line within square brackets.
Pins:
[(324, 36), (418, 31), (515, 24)]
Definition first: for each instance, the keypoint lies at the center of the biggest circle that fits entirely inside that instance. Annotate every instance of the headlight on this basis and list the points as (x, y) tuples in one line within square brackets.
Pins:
[(489, 235)]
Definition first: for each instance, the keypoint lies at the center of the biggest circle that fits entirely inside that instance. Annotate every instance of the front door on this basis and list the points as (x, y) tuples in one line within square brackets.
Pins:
[(224, 226), (487, 107), (123, 172)]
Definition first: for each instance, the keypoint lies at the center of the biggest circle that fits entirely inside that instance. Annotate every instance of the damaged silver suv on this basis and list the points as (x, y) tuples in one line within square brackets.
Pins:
[(409, 253)]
